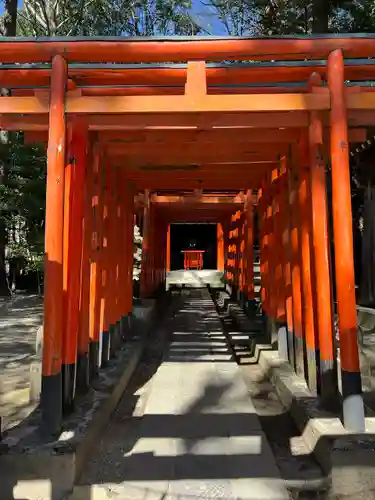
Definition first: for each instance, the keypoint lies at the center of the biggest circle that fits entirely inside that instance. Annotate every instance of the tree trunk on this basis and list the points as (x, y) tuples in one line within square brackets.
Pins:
[(10, 28), (320, 14), (10, 17)]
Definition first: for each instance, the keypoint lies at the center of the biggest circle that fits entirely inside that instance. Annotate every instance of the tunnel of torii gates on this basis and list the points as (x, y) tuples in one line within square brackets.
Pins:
[(204, 130)]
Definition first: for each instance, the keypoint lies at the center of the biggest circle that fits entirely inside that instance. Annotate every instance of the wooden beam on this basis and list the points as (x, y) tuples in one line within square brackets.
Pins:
[(178, 159), (166, 104), (211, 167), (180, 49), (175, 76), (206, 184), (200, 136), (195, 149), (181, 199), (164, 121), (184, 104), (361, 101), (187, 136)]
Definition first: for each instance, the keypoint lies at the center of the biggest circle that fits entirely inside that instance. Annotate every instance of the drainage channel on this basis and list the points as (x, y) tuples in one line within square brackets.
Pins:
[(303, 475)]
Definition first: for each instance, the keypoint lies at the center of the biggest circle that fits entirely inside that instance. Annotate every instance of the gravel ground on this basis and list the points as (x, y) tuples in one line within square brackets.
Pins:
[(20, 318)]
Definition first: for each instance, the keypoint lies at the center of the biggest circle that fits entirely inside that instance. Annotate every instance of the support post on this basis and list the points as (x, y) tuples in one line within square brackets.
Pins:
[(263, 251), (321, 256), (68, 354), (83, 364), (73, 215), (51, 398), (220, 248), (304, 194), (95, 265), (287, 260), (274, 255), (249, 251), (353, 410), (106, 261), (129, 250), (145, 278), (296, 268), (278, 249)]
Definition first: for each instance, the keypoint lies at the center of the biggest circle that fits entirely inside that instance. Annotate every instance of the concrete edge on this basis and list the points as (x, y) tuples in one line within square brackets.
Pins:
[(105, 411), (50, 472), (347, 459), (37, 470)]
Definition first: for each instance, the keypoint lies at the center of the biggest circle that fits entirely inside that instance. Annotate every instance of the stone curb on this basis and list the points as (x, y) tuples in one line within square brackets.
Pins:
[(347, 459), (34, 469), (60, 463)]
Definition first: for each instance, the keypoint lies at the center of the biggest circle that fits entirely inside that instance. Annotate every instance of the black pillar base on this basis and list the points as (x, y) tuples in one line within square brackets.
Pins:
[(106, 345), (113, 343), (93, 360), (51, 404), (251, 307), (68, 372), (125, 327), (83, 372)]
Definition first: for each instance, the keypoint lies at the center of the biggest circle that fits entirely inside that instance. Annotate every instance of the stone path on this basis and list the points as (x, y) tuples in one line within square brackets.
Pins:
[(193, 432), (20, 318)]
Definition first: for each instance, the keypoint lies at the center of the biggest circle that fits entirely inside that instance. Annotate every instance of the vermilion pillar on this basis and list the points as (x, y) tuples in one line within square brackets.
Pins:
[(83, 364), (353, 411), (278, 187), (73, 214), (249, 247), (51, 399), (296, 266), (262, 210), (144, 278), (113, 247), (273, 244), (129, 248), (287, 257), (107, 265), (118, 228), (304, 195), (96, 263), (68, 354), (320, 254), (220, 248)]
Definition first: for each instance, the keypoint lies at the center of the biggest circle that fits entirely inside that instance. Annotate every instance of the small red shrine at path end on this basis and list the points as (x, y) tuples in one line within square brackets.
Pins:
[(194, 130), (193, 259)]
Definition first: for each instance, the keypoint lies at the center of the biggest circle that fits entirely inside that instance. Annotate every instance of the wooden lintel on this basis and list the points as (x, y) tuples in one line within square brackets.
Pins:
[(188, 135), (167, 121), (189, 199), (195, 149), (200, 157), (176, 104), (123, 49), (155, 105)]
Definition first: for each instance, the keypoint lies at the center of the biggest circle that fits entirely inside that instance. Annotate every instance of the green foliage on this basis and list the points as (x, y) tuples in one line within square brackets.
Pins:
[(285, 17), (106, 18), (239, 17), (22, 201)]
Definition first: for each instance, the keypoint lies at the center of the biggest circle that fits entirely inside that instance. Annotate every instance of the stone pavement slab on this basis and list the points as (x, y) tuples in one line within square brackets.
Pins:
[(199, 436)]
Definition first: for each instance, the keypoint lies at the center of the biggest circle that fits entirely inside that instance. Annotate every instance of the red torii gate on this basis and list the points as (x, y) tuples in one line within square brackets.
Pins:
[(116, 130)]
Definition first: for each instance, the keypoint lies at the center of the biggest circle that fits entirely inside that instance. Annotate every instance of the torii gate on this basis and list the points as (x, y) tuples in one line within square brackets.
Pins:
[(118, 123)]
